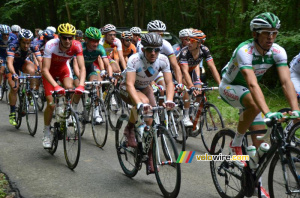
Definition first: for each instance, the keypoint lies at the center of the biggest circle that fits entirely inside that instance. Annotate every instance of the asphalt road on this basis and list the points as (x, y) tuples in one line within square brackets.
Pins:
[(36, 173)]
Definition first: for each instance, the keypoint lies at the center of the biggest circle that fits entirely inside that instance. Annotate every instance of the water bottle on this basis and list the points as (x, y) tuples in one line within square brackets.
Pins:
[(263, 149), (251, 151), (140, 128), (59, 112)]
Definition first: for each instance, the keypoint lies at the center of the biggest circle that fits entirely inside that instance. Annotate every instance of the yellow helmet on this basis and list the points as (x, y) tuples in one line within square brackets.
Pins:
[(66, 28)]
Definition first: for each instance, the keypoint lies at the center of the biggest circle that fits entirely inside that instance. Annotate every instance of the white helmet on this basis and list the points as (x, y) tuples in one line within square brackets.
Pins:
[(40, 33), (15, 28), (184, 33), (156, 25), (108, 28), (53, 29), (136, 30)]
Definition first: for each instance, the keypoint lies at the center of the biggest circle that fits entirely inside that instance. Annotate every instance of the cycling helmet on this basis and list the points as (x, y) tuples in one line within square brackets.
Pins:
[(126, 35), (265, 20), (40, 33), (5, 29), (79, 33), (48, 34), (156, 25), (93, 33), (151, 40), (15, 28), (136, 30), (66, 28), (184, 33), (197, 34), (25, 34), (53, 29), (108, 28)]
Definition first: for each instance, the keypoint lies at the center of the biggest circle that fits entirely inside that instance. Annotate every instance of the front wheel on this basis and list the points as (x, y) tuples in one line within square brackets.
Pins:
[(20, 109), (284, 174), (99, 128), (31, 113), (167, 170), (177, 128), (54, 146), (72, 139), (227, 177)]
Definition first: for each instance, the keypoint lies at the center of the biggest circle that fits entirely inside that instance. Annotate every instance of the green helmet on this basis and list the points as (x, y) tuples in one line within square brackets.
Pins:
[(265, 20), (93, 33)]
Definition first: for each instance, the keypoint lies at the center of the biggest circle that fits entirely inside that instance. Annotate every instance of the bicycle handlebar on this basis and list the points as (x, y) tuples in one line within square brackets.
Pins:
[(97, 82)]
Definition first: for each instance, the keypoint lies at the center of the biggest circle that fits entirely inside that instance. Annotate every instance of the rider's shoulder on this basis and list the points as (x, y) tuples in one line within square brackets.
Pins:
[(135, 59), (277, 49), (163, 59)]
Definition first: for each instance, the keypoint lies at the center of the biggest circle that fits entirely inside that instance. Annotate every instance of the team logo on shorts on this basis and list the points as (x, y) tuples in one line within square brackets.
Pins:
[(230, 94)]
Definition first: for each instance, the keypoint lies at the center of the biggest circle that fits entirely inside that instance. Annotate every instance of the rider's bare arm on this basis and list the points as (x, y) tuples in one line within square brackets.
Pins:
[(169, 85), (46, 73), (187, 77), (81, 65), (214, 71), (130, 80), (176, 69)]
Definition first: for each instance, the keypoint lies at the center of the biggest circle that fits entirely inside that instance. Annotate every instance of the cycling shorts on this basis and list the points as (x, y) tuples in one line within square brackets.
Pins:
[(296, 81), (148, 91), (233, 95), (159, 77), (195, 79)]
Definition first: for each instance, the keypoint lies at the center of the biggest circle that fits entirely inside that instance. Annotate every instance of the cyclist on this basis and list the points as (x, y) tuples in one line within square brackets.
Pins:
[(5, 39), (136, 37), (127, 47), (79, 36), (15, 29), (93, 53), (189, 60), (239, 86), (184, 37), (57, 53), (109, 42), (142, 68), (18, 53), (166, 49), (53, 29)]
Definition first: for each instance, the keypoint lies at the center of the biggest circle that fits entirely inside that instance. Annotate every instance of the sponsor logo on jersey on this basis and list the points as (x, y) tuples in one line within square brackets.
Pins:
[(230, 94)]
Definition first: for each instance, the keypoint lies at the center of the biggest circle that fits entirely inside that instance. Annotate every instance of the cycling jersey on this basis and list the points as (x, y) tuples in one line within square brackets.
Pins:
[(3, 48), (246, 56), (110, 47), (126, 52), (185, 57), (138, 46), (145, 71), (295, 64), (41, 44), (20, 56)]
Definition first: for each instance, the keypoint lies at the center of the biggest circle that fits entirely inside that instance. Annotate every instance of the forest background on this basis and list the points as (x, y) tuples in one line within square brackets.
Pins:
[(225, 22)]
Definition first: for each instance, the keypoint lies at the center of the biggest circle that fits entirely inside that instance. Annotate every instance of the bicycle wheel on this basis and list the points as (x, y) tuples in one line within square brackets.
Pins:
[(225, 174), (72, 139), (167, 170), (100, 130), (3, 89), (20, 109), (284, 172), (177, 128), (40, 99), (82, 113), (31, 113), (55, 139), (294, 135), (114, 108), (211, 123), (127, 156)]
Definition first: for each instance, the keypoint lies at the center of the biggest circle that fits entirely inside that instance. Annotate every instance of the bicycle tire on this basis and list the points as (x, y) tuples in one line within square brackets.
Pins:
[(127, 156), (113, 109), (19, 109), (208, 125), (55, 139), (40, 99), (294, 135), (3, 89), (31, 109), (72, 139), (176, 124), (275, 177), (170, 187), (100, 137), (218, 168), (82, 114)]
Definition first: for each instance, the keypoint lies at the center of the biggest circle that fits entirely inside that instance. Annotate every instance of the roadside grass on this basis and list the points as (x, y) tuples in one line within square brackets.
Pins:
[(274, 97), (4, 186)]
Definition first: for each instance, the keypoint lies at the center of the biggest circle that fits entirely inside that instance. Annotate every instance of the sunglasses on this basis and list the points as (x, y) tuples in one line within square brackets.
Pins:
[(128, 40), (268, 33), (150, 50), (70, 38), (112, 34), (193, 40)]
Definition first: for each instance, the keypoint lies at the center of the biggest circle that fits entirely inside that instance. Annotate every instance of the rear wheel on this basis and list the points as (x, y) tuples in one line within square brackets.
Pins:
[(82, 112), (31, 113), (100, 129), (177, 128), (285, 172), (55, 138), (72, 139), (115, 107), (20, 109), (167, 170), (41, 98)]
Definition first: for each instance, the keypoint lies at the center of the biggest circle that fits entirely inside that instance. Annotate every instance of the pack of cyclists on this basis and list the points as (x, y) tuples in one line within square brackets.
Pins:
[(146, 61)]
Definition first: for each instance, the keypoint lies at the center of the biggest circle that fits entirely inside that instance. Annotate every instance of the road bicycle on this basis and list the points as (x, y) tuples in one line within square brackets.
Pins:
[(164, 151), (66, 128), (231, 180), (27, 105), (91, 103)]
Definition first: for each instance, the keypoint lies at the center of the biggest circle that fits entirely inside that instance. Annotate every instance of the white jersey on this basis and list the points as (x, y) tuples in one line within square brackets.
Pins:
[(139, 46), (246, 56), (145, 71), (110, 47), (165, 49), (295, 64)]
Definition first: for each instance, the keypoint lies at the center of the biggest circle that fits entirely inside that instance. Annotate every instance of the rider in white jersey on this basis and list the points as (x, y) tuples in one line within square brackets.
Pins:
[(142, 68), (136, 39), (295, 72)]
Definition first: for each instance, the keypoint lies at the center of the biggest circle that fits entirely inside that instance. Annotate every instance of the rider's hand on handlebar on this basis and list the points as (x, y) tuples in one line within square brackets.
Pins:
[(15, 77), (180, 87), (79, 90), (59, 90), (272, 115), (169, 105), (102, 73)]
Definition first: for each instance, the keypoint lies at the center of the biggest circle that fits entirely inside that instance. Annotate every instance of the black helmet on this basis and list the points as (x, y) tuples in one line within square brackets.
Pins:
[(151, 40), (48, 34)]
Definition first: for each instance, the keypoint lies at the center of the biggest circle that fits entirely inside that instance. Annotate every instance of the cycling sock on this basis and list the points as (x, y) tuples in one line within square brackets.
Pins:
[(47, 130), (12, 108), (237, 140)]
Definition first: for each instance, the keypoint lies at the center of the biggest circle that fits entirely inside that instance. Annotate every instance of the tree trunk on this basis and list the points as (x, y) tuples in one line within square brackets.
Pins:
[(121, 12), (136, 12), (68, 11), (52, 12)]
